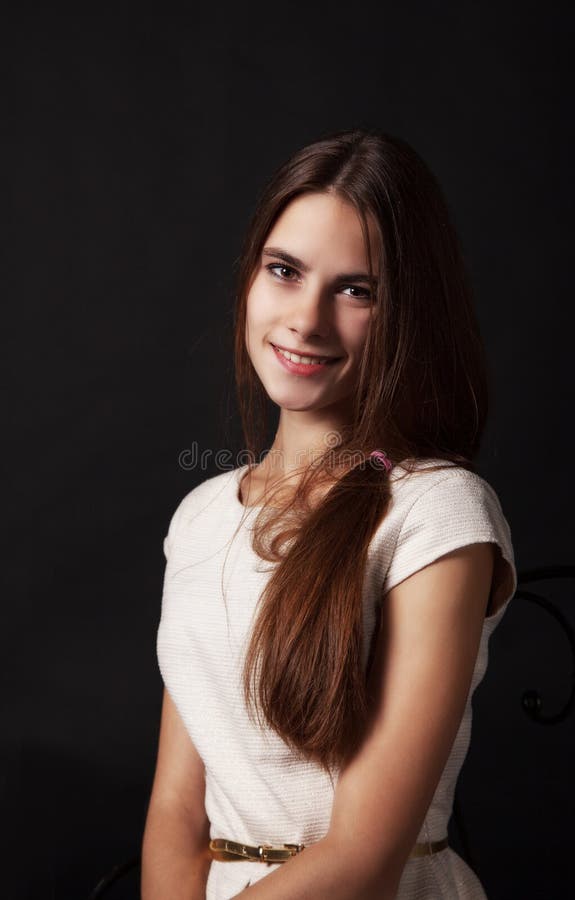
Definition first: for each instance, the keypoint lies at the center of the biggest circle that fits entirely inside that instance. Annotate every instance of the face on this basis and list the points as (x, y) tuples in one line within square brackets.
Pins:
[(311, 295)]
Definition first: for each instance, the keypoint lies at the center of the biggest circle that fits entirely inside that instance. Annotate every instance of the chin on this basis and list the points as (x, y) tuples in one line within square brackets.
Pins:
[(287, 399), (291, 402)]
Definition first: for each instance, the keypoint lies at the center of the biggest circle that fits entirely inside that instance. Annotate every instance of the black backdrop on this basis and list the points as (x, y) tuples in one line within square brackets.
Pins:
[(135, 148)]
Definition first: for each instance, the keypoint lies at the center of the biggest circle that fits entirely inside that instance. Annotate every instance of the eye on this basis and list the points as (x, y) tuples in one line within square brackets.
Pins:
[(283, 269), (361, 293)]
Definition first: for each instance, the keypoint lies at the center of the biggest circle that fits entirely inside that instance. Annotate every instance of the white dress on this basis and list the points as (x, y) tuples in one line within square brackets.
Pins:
[(256, 791)]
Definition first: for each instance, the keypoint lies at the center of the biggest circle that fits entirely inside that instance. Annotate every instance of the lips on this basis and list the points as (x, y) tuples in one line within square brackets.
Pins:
[(305, 353), (304, 370)]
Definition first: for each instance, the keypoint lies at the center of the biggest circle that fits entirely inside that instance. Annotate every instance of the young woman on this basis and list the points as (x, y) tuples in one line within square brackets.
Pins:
[(327, 605)]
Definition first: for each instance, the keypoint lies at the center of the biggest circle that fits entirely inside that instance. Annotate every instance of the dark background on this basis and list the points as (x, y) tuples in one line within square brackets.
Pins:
[(134, 152)]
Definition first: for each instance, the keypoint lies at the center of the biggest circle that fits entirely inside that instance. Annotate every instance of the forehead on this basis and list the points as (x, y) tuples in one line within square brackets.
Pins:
[(319, 227)]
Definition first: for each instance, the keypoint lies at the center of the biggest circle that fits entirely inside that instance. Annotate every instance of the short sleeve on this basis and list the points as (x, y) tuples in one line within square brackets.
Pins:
[(459, 509), (173, 528)]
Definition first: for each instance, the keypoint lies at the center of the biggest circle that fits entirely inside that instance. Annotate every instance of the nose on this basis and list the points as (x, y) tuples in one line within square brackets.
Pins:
[(310, 315)]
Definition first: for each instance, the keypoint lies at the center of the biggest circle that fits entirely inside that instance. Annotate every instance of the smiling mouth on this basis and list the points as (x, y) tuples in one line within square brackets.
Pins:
[(315, 360)]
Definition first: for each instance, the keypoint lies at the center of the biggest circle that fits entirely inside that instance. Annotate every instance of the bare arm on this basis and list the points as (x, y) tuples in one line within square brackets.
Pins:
[(175, 856), (425, 656)]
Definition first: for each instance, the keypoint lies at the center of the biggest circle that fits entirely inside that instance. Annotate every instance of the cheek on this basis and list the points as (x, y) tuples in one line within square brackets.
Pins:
[(353, 325), (258, 313), (261, 297), (259, 305)]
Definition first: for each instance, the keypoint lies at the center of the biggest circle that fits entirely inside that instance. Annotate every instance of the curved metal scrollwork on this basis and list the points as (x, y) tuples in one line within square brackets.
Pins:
[(531, 700)]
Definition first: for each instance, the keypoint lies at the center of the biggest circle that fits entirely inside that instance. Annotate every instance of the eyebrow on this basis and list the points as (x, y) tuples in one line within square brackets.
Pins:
[(299, 264)]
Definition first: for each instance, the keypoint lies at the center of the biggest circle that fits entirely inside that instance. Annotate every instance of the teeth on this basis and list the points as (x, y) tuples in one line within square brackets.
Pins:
[(306, 360)]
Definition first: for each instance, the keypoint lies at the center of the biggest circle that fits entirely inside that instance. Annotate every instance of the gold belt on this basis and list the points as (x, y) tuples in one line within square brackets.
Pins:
[(223, 850)]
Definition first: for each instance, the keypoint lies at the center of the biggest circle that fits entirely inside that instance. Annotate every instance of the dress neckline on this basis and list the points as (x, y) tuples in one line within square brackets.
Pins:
[(239, 474)]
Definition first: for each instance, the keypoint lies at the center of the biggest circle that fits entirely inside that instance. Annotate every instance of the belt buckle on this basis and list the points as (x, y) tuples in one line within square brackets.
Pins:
[(263, 850), (295, 848)]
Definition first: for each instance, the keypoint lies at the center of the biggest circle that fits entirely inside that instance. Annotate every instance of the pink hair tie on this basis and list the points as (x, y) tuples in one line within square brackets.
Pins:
[(379, 454)]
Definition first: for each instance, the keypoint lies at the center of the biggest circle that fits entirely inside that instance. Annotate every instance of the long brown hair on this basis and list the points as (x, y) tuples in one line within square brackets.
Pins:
[(422, 392)]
